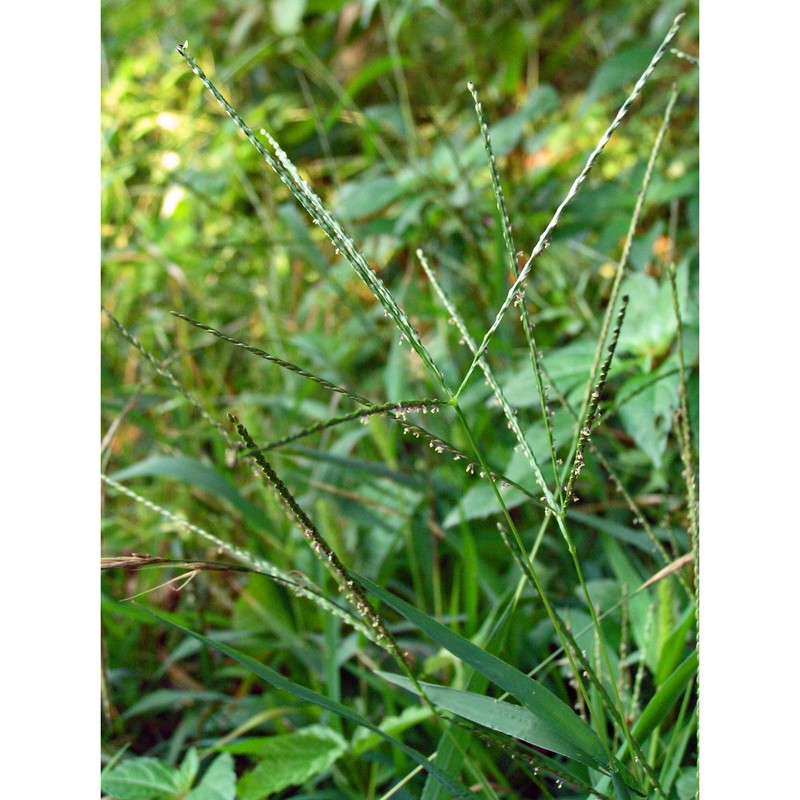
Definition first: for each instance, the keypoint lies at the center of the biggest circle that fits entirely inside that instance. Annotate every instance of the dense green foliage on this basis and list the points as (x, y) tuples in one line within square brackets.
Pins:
[(240, 685)]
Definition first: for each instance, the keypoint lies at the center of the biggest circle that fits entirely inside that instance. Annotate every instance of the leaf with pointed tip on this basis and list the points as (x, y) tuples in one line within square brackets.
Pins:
[(497, 715), (141, 778), (218, 782), (546, 707)]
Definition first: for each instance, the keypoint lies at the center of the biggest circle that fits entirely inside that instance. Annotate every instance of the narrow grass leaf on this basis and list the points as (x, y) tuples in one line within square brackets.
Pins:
[(674, 646), (498, 715), (664, 699), (308, 695), (548, 708)]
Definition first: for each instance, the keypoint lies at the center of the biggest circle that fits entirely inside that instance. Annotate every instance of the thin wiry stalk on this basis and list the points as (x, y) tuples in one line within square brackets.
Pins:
[(589, 418), (256, 351), (569, 646), (626, 249), (434, 442), (347, 585), (544, 239), (686, 449), (511, 255), (624, 681), (626, 496), (515, 544), (400, 409), (685, 56), (585, 433), (342, 242), (296, 582), (509, 412), (165, 373), (351, 589), (685, 436)]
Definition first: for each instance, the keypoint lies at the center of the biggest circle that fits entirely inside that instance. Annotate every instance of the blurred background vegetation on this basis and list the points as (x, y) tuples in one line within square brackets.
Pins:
[(369, 100)]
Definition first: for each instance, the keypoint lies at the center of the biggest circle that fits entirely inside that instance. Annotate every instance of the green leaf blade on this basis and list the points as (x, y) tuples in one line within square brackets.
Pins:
[(497, 715), (219, 781), (291, 759), (141, 779), (540, 701)]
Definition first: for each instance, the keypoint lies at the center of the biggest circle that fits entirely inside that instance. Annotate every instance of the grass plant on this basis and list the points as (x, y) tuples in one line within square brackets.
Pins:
[(482, 590)]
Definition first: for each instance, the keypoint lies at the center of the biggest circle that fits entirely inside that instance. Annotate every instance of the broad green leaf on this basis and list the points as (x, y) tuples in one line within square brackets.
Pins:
[(567, 367), (497, 715), (218, 782), (142, 778), (647, 408), (548, 708), (195, 473), (290, 760), (279, 682), (650, 323), (187, 771), (362, 198)]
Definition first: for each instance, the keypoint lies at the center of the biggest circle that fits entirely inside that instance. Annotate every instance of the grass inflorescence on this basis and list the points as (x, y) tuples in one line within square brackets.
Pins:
[(517, 606)]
